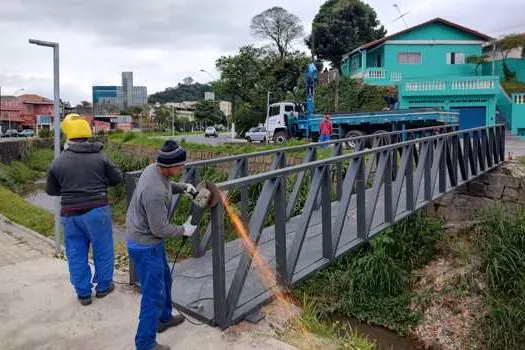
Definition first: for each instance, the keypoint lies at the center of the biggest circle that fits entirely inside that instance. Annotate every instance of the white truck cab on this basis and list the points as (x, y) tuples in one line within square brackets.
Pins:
[(276, 124)]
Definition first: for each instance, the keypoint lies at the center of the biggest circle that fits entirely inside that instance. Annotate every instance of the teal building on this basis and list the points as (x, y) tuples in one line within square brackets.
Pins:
[(428, 65)]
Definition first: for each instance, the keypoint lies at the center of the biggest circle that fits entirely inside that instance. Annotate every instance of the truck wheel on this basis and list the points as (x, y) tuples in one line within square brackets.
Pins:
[(354, 145), (280, 137), (249, 140)]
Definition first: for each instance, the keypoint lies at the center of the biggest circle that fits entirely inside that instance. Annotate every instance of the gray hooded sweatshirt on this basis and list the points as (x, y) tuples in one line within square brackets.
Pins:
[(147, 218), (81, 176)]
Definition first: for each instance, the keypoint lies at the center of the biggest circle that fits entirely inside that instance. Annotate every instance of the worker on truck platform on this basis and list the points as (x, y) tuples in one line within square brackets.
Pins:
[(81, 175), (325, 129), (148, 226)]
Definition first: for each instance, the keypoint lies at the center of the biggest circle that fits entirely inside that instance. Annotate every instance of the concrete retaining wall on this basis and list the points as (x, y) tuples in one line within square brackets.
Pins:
[(18, 149)]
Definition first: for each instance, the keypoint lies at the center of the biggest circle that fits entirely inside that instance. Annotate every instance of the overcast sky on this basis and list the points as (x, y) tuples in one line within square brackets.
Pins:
[(164, 41)]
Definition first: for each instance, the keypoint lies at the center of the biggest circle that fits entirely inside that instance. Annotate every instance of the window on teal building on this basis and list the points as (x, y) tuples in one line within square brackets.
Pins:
[(455, 58), (409, 58)]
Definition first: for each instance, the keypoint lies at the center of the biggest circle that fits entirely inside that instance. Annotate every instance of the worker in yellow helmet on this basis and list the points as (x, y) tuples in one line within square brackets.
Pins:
[(81, 175)]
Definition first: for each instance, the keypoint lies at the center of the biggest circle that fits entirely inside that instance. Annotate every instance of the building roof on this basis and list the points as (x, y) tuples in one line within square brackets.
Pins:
[(35, 99), (378, 42)]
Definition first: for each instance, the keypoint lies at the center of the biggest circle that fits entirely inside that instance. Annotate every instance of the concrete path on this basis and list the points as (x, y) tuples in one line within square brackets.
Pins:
[(38, 309)]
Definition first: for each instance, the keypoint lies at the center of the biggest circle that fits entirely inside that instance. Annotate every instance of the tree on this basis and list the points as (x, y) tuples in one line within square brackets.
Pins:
[(182, 92), (279, 26), (477, 60), (341, 26), (188, 81), (505, 45), (208, 111)]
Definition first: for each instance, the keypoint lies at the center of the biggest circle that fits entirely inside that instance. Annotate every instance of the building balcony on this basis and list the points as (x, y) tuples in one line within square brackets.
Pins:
[(472, 85), (378, 76)]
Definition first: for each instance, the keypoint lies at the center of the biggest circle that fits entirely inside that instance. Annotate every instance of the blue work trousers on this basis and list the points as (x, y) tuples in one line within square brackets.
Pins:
[(324, 138), (79, 231), (155, 282)]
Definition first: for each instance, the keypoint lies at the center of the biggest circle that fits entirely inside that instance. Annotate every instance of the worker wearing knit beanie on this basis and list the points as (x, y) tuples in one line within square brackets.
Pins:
[(148, 225)]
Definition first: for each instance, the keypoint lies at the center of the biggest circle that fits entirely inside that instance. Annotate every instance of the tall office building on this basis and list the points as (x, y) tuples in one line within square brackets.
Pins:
[(114, 99)]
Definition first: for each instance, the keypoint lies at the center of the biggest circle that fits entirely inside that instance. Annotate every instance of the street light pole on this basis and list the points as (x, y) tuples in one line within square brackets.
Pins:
[(56, 122)]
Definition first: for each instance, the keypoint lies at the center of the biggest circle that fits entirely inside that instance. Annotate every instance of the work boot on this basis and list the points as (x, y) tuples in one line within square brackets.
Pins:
[(161, 347), (175, 321), (106, 292), (85, 301)]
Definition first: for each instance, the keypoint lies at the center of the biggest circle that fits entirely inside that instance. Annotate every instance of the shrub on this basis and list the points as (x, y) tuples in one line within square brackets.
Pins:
[(16, 175), (39, 160)]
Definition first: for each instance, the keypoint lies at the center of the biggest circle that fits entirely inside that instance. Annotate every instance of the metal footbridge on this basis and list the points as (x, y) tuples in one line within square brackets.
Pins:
[(302, 215)]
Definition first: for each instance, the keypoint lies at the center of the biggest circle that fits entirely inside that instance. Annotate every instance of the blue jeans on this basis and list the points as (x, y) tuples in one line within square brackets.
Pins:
[(324, 138), (92, 227), (155, 281)]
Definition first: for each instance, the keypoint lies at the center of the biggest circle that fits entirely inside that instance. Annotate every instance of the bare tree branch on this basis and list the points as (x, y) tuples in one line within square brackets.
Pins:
[(277, 25)]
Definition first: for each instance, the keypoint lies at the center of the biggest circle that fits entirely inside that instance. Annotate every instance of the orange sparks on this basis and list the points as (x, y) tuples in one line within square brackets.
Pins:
[(266, 274)]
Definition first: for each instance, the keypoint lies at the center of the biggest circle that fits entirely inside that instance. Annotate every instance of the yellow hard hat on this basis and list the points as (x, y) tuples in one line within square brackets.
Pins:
[(76, 127)]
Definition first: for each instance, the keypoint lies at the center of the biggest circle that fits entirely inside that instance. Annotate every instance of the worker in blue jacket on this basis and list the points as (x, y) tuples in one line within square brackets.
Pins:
[(81, 176)]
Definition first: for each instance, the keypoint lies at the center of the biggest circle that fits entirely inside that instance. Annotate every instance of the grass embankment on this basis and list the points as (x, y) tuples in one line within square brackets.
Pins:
[(502, 246), (131, 138), (17, 179), (374, 283)]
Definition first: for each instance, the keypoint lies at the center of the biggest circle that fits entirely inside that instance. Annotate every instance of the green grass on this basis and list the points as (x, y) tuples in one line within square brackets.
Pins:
[(19, 176), (18, 210), (40, 160), (501, 241), (336, 333), (227, 149), (373, 283)]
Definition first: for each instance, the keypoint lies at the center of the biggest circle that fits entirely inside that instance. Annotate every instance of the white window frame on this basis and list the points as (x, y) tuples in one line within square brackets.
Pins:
[(457, 56), (408, 61)]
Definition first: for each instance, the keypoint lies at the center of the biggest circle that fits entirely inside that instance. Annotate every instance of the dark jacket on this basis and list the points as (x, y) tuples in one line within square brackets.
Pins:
[(81, 176)]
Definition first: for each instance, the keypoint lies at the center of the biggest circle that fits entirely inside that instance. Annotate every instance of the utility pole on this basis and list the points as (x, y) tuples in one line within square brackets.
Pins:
[(56, 88)]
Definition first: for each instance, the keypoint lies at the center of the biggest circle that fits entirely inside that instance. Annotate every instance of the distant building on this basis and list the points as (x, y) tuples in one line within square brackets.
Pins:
[(114, 99), (25, 111)]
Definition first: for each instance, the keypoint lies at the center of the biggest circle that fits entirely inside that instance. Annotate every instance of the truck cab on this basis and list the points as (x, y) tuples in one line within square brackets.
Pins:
[(282, 120)]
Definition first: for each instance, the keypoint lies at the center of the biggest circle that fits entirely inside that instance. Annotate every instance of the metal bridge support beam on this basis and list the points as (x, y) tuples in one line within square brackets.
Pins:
[(218, 266), (281, 262)]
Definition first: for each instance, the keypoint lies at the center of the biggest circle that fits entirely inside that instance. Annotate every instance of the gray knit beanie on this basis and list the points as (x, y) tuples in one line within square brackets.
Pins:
[(171, 154)]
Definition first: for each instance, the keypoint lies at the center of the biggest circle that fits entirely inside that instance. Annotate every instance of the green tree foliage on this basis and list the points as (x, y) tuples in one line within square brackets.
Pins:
[(341, 26), (209, 112), (241, 73), (183, 92), (354, 96), (247, 77), (505, 45), (279, 26), (477, 60)]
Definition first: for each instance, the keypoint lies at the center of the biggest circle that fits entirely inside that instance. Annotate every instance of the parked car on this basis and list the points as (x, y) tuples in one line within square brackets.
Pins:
[(210, 132), (26, 133), (10, 133), (256, 134)]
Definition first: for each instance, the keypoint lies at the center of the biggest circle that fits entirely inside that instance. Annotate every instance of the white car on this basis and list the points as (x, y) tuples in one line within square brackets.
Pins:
[(256, 134), (210, 132)]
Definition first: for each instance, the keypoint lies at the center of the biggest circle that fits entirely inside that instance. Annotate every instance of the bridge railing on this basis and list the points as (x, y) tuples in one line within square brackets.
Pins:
[(335, 216), (239, 166)]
